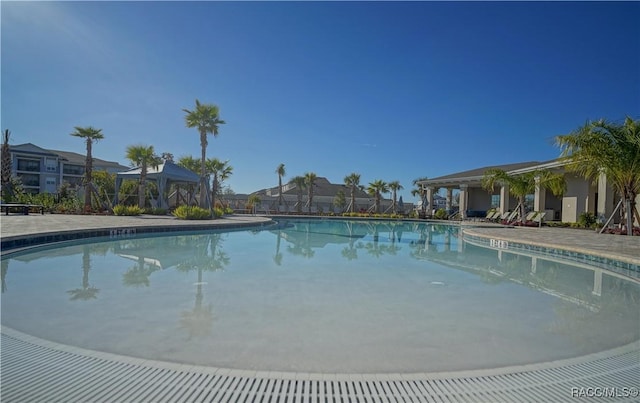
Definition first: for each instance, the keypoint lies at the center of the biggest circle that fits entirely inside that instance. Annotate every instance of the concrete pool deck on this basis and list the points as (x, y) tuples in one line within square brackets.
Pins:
[(39, 370)]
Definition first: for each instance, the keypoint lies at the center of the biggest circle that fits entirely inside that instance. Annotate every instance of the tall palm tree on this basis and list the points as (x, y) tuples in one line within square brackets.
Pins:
[(221, 171), (90, 134), (7, 191), (419, 191), (603, 147), (522, 185), (205, 117), (310, 182), (352, 181), (281, 172), (142, 156), (300, 183), (394, 186), (375, 189)]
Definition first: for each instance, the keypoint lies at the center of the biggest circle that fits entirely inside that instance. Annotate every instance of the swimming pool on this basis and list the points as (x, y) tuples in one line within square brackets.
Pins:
[(318, 296)]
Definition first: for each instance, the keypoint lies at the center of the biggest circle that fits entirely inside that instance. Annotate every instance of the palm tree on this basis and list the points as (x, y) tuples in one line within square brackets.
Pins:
[(310, 182), (394, 186), (142, 156), (221, 171), (612, 149), (300, 183), (7, 191), (281, 172), (522, 185), (90, 134), (375, 189), (189, 163), (419, 191), (205, 117), (352, 181)]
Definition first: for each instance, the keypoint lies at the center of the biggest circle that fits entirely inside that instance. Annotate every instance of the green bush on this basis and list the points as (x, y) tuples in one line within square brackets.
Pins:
[(121, 209), (587, 220), (191, 213), (218, 212), (441, 214)]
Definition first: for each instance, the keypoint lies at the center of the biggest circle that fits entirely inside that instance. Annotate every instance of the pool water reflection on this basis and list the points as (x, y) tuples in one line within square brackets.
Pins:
[(319, 296)]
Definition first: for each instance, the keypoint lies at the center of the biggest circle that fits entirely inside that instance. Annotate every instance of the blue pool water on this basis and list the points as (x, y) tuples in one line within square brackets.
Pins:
[(330, 296)]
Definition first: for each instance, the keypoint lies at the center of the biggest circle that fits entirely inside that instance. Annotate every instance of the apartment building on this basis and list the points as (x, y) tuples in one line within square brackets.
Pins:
[(43, 171)]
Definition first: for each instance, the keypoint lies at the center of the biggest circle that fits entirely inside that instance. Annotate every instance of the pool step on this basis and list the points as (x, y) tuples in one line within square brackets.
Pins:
[(34, 370)]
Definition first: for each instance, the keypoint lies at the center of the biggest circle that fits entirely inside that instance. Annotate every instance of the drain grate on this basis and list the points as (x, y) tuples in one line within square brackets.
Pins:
[(34, 370)]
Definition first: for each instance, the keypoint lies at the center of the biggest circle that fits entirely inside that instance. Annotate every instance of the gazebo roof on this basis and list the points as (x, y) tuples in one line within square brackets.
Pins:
[(167, 170)]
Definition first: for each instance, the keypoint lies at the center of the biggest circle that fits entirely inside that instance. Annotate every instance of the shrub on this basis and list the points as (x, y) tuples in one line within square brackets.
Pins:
[(587, 219), (218, 212), (121, 209), (191, 213), (441, 214)]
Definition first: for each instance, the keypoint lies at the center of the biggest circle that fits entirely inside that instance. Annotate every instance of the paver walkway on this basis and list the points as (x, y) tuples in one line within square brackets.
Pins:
[(618, 247)]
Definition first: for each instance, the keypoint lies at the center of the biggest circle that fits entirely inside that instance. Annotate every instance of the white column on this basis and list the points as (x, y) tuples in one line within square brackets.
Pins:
[(464, 195), (504, 198), (605, 199), (429, 208)]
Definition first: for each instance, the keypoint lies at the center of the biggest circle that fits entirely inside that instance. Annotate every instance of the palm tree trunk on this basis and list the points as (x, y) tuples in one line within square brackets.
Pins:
[(629, 216), (214, 189), (142, 185), (88, 177), (353, 199), (521, 201), (394, 202), (203, 185)]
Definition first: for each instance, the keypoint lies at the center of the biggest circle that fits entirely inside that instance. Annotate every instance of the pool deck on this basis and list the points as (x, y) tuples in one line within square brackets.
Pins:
[(37, 370)]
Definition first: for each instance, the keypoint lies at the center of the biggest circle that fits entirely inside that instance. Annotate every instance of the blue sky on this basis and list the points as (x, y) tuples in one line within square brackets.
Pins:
[(390, 90)]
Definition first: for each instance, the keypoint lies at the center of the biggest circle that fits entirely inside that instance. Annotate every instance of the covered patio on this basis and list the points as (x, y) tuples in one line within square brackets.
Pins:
[(475, 201)]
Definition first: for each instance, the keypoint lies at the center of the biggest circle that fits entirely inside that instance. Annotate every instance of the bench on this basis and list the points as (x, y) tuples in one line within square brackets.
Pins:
[(22, 207)]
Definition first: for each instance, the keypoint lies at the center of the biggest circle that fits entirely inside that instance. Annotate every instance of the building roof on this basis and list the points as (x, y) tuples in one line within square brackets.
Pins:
[(322, 188), (79, 159), (168, 170), (67, 156), (29, 148), (475, 175)]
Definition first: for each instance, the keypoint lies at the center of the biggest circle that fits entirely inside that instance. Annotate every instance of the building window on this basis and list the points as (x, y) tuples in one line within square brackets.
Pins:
[(73, 169), (28, 165), (30, 180), (51, 164), (72, 180)]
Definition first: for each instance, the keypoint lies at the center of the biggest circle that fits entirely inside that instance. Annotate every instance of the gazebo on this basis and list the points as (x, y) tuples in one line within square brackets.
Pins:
[(164, 175)]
